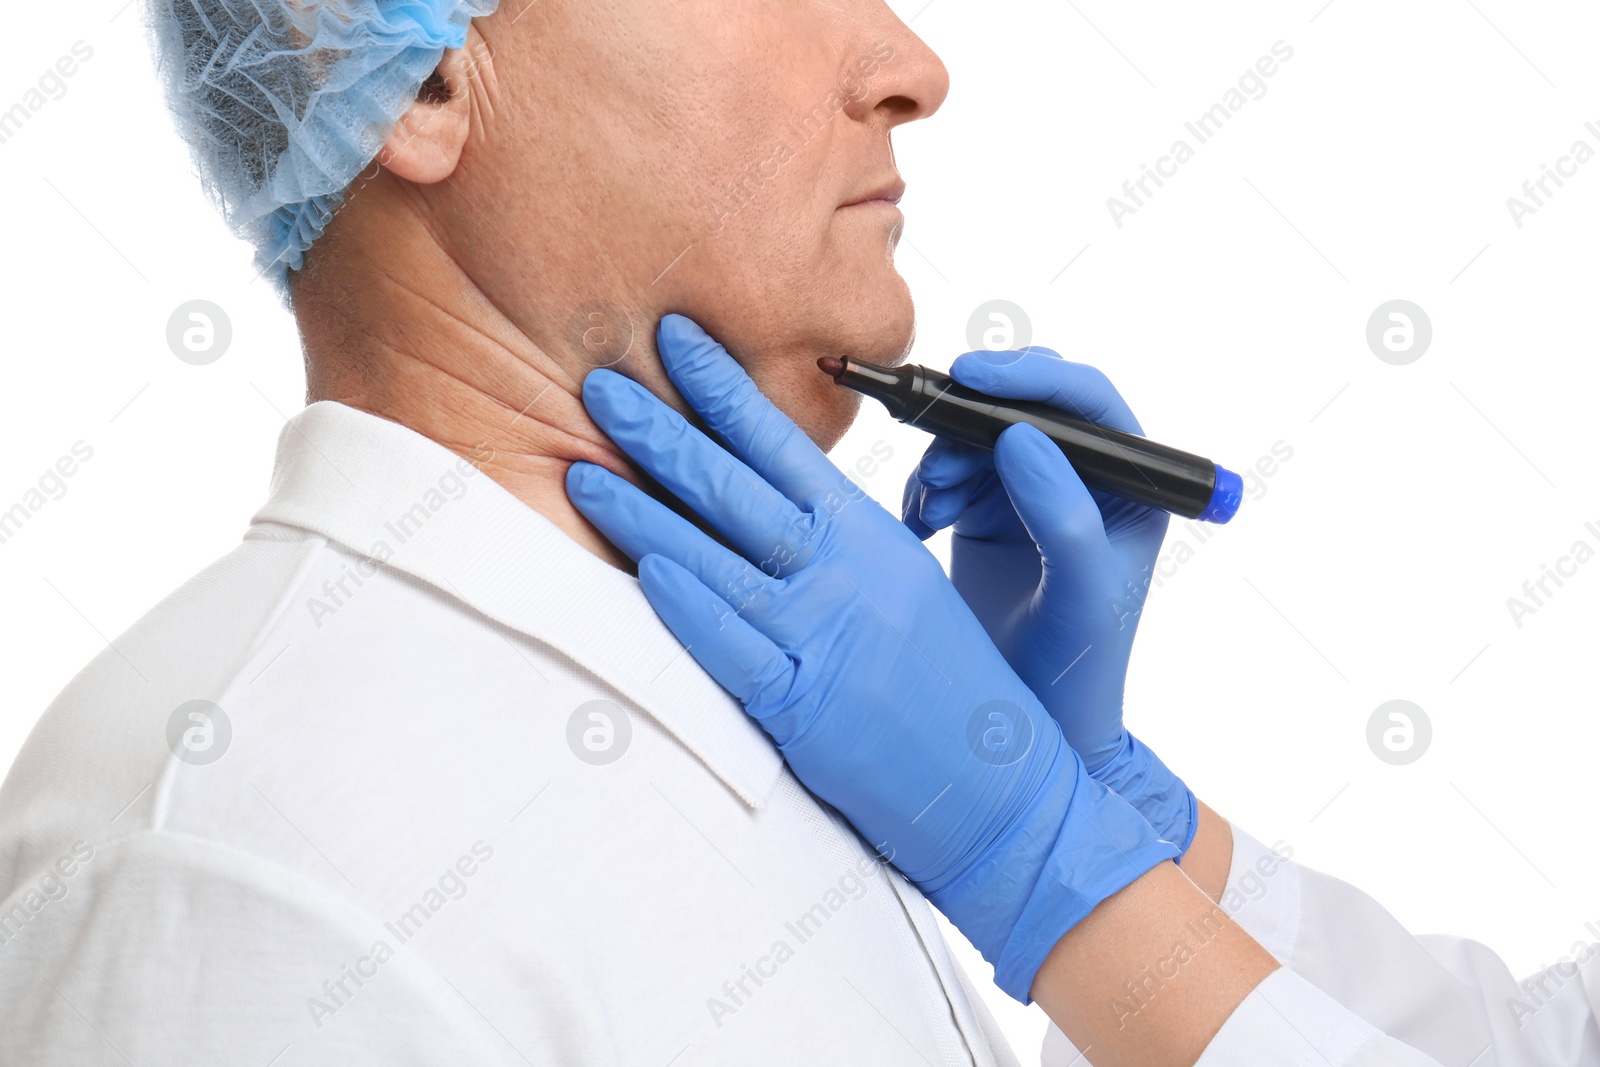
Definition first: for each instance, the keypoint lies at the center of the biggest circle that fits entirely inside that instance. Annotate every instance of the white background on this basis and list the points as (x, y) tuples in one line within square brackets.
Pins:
[(1231, 310)]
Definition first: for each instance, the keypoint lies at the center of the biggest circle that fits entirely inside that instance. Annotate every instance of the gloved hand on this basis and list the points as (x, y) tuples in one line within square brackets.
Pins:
[(1058, 574), (844, 639)]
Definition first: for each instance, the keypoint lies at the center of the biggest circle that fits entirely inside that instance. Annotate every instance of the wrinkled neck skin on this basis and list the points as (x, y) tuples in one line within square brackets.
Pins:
[(393, 325)]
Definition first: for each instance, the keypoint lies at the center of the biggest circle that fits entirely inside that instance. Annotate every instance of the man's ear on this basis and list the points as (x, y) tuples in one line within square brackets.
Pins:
[(428, 140)]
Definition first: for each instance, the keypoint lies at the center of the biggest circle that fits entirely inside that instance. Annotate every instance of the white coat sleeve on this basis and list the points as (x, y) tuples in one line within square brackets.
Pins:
[(1448, 997), (1284, 1022)]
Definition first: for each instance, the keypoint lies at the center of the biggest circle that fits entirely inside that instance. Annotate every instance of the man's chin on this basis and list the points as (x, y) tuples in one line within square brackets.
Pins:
[(893, 320), (832, 408), (835, 417), (822, 409)]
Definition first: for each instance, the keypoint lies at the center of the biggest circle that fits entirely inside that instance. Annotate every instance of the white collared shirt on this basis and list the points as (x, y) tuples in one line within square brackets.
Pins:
[(470, 805), (409, 777)]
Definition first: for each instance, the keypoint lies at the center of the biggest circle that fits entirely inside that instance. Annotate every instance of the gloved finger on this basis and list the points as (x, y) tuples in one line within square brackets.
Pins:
[(640, 525), (763, 524), (942, 507), (943, 484), (911, 509), (948, 463), (743, 661), (1040, 375), (717, 387), (1050, 498)]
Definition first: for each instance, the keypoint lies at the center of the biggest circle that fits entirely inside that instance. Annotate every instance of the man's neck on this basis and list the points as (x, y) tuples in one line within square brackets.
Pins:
[(412, 340)]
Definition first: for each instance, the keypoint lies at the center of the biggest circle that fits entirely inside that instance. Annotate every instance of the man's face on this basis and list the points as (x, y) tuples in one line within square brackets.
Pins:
[(728, 161)]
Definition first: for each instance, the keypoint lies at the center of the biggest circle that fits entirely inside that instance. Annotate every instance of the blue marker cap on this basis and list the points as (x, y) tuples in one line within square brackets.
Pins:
[(1225, 498)]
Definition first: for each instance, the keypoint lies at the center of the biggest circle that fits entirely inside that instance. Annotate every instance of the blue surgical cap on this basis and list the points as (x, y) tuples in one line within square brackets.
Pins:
[(285, 102)]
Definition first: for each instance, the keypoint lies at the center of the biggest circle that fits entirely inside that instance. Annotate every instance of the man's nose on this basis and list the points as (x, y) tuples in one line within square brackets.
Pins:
[(908, 79)]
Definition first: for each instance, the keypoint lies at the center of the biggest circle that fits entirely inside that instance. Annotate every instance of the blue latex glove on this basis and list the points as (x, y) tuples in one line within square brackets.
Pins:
[(1058, 574), (843, 638)]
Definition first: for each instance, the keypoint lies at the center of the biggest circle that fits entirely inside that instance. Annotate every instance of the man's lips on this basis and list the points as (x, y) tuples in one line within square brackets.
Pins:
[(888, 192)]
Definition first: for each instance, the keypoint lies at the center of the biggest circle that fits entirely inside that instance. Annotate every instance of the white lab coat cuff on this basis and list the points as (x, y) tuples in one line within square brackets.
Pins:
[(1287, 1021), (1263, 894)]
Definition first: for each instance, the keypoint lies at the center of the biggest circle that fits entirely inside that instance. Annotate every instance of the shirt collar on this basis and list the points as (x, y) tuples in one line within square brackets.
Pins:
[(387, 492)]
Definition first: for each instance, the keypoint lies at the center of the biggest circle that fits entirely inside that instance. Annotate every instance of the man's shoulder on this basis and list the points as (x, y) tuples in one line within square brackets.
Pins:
[(250, 688), (146, 698), (193, 640)]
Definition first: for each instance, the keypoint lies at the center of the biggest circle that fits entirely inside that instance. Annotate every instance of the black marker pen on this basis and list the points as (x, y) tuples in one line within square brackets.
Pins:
[(1122, 464)]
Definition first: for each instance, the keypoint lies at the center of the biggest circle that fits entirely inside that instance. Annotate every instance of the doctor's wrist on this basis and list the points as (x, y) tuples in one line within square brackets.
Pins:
[(1139, 777), (1209, 859), (1078, 844)]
